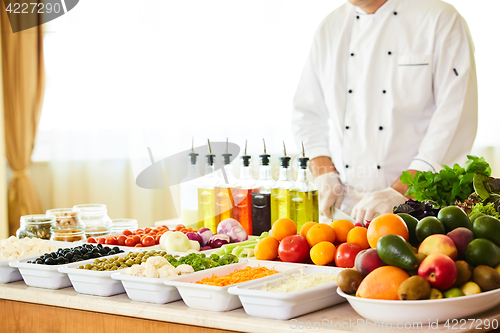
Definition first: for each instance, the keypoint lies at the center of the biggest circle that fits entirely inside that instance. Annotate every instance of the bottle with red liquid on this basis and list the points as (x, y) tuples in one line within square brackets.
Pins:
[(242, 194)]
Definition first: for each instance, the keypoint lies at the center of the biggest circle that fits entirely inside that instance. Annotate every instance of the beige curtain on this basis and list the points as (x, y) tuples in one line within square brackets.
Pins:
[(23, 87)]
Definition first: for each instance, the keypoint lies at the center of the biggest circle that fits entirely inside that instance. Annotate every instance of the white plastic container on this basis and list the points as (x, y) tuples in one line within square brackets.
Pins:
[(143, 289), (213, 298), (11, 274), (282, 306), (41, 276), (422, 311)]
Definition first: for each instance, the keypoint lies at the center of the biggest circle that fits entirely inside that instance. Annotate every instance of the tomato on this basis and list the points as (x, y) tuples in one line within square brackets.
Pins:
[(139, 231), (179, 227), (346, 254), (101, 240), (138, 245), (183, 230), (129, 242), (148, 241), (147, 230), (136, 238), (121, 240), (293, 249), (157, 239), (91, 240), (111, 241), (127, 232)]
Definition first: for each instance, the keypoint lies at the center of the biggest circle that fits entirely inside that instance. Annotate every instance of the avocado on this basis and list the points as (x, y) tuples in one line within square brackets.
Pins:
[(414, 288), (428, 226), (411, 223), (487, 227), (453, 217), (464, 271), (395, 251), (348, 280), (482, 251), (474, 216), (487, 278)]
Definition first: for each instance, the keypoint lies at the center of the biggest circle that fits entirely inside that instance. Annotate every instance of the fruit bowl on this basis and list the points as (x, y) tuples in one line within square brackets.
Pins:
[(422, 311)]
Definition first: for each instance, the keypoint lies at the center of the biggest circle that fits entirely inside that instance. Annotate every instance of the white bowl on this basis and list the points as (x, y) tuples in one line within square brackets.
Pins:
[(151, 290), (282, 306), (41, 276), (422, 311), (213, 298)]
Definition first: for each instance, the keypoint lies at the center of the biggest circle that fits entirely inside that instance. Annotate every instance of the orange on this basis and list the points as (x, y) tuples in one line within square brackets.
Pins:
[(267, 249), (322, 253), (305, 228), (282, 228), (341, 228), (386, 224), (319, 233), (357, 235), (382, 283)]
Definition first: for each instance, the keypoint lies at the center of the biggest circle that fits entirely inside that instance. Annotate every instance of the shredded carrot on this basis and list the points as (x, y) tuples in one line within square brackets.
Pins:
[(240, 275)]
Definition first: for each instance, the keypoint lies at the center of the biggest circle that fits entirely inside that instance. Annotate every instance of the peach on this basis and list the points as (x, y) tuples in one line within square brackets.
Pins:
[(438, 244)]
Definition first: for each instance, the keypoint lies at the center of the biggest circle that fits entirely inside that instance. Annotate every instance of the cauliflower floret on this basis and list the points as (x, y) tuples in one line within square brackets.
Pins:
[(155, 262), (167, 271), (13, 239), (184, 269), (135, 270), (151, 272)]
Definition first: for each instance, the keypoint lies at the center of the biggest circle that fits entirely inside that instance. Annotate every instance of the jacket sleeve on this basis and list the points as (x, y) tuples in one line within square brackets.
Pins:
[(310, 117), (453, 126)]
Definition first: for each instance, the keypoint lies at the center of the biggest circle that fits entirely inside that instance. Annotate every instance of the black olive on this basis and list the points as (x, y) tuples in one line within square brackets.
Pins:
[(89, 247), (53, 255), (99, 246), (107, 249), (86, 256), (68, 256), (29, 262), (116, 249), (103, 251), (112, 252), (84, 250), (39, 261), (49, 261), (76, 252), (95, 250)]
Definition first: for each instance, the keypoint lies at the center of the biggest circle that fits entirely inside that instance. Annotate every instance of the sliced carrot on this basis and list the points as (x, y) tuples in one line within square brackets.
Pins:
[(240, 275)]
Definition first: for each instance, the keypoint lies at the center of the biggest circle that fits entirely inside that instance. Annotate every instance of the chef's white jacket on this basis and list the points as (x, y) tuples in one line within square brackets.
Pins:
[(386, 92)]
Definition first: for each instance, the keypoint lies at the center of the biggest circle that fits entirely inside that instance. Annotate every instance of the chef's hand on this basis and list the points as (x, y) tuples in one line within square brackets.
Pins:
[(331, 192), (377, 203)]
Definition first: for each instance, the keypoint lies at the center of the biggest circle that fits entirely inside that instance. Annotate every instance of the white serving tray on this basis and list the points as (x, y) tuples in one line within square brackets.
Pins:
[(143, 289), (422, 311), (213, 298), (282, 306)]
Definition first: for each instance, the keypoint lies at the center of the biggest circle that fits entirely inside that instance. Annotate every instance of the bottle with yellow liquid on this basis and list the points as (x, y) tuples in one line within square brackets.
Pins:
[(206, 198), (280, 193), (304, 196), (223, 194), (189, 192)]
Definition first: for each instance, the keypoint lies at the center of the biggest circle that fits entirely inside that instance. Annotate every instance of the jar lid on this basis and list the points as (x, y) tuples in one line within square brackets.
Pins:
[(38, 219), (116, 222), (90, 208), (62, 212)]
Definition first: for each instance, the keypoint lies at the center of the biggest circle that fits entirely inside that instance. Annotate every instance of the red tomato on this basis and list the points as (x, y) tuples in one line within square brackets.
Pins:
[(147, 230), (101, 240), (129, 242), (138, 245), (179, 227), (111, 241), (346, 254), (148, 241), (293, 249), (91, 240), (121, 240), (136, 238), (139, 231), (157, 239), (127, 232)]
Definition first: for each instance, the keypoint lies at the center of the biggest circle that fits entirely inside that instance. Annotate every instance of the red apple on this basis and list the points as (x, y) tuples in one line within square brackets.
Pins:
[(346, 255), (367, 260), (461, 237), (440, 270), (438, 244), (293, 249)]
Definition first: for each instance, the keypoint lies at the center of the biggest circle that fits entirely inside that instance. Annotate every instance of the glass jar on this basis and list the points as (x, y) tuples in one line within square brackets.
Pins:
[(93, 215), (75, 234), (97, 231), (36, 226), (66, 218), (119, 225)]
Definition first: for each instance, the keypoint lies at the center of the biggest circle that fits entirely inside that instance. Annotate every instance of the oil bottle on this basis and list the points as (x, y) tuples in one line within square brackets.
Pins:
[(242, 194), (304, 196), (280, 193), (223, 193), (189, 191), (206, 202), (261, 198)]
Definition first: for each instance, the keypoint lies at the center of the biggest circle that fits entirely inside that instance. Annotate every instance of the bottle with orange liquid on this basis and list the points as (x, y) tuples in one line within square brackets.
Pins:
[(242, 194), (223, 193)]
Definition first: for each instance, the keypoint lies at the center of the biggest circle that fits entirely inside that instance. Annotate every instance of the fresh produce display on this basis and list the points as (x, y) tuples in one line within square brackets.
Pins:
[(417, 209), (158, 267), (240, 275), (15, 248), (299, 282), (199, 261), (116, 262), (75, 254)]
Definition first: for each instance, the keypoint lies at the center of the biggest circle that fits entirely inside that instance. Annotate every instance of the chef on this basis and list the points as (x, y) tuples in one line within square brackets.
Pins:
[(389, 86)]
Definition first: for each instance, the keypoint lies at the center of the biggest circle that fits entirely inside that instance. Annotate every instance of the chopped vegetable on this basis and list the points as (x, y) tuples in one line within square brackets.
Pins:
[(238, 234), (299, 282), (487, 209), (240, 275), (469, 203), (199, 261), (218, 240), (205, 234)]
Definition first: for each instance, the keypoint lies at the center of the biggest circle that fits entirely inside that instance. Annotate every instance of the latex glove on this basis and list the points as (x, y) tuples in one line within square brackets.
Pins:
[(331, 192), (377, 203)]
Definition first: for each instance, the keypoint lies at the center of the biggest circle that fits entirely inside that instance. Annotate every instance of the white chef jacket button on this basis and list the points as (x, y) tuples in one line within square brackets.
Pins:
[(383, 91), (350, 91), (346, 166), (395, 13), (347, 127), (389, 53), (352, 54), (380, 128), (378, 167)]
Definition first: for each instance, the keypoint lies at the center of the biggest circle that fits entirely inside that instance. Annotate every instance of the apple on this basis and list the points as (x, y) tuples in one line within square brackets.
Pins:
[(439, 270), (367, 260), (461, 237), (438, 244), (346, 254), (293, 249)]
